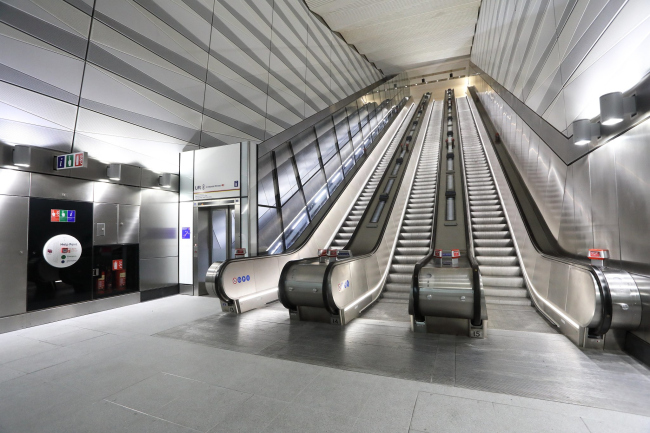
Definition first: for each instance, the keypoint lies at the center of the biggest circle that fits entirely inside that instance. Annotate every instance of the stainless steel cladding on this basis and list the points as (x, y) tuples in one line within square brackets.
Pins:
[(571, 294), (158, 224), (13, 253), (105, 224), (128, 224), (61, 188)]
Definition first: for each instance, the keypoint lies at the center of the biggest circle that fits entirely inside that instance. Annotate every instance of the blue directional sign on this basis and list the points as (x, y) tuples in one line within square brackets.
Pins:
[(185, 233), (71, 216), (60, 162)]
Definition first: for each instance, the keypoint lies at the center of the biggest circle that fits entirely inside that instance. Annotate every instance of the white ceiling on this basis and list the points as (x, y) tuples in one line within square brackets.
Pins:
[(398, 35)]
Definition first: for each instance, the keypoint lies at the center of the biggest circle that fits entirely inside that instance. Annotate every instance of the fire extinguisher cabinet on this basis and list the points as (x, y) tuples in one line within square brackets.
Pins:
[(115, 270)]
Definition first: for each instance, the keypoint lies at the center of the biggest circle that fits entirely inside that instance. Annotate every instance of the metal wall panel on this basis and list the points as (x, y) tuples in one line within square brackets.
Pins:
[(158, 224), (633, 186), (13, 255), (111, 193), (128, 224), (604, 208), (583, 206), (14, 183), (61, 188), (158, 272), (104, 224)]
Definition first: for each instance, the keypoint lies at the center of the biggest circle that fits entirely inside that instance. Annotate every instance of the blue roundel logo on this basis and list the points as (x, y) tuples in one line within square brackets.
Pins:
[(248, 277), (239, 279)]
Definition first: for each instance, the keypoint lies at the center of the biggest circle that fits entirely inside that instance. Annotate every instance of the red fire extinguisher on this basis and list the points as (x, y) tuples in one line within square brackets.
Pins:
[(120, 280), (100, 284)]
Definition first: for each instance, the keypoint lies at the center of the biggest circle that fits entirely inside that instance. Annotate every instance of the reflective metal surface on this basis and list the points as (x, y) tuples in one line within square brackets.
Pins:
[(13, 255), (158, 272), (128, 224), (106, 215), (112, 193), (576, 304), (61, 188), (14, 182), (265, 271), (211, 277), (158, 224)]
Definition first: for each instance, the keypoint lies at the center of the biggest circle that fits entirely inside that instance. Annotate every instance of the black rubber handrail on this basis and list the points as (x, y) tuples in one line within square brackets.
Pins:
[(603, 287), (330, 305), (414, 300), (476, 276), (219, 286)]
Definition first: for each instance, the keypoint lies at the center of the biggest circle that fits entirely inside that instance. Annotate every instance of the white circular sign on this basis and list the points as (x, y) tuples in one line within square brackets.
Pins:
[(62, 251)]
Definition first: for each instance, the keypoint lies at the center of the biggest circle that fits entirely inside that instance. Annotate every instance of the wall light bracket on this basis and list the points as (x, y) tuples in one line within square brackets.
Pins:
[(165, 180), (583, 131), (22, 156), (114, 171), (614, 106)]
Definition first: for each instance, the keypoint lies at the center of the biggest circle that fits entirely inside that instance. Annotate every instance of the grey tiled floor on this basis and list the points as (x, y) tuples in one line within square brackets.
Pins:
[(115, 372)]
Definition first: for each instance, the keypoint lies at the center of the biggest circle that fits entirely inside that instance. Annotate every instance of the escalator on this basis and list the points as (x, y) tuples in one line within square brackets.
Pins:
[(509, 269), (415, 233), (263, 272), (348, 227), (336, 291), (503, 282)]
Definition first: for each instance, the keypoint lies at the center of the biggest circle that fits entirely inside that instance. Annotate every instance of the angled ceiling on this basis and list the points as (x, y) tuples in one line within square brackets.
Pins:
[(398, 35)]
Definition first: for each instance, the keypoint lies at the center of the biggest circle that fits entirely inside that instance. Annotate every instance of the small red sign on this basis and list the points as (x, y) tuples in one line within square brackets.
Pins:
[(322, 252), (455, 253), (332, 252), (79, 159), (598, 254), (54, 215), (437, 253), (118, 265)]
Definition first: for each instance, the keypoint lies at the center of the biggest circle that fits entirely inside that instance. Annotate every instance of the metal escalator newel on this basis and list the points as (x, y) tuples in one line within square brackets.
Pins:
[(598, 256)]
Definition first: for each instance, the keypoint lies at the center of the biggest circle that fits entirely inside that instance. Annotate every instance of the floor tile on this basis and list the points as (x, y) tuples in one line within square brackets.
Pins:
[(301, 419), (254, 415), (201, 406), (341, 392), (630, 424), (435, 413), (8, 373)]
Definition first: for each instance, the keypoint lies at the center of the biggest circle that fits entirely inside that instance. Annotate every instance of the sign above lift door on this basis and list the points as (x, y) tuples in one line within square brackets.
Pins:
[(217, 172)]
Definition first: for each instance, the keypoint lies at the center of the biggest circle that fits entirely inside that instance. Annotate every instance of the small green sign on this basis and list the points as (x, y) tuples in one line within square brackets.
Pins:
[(63, 216), (69, 161)]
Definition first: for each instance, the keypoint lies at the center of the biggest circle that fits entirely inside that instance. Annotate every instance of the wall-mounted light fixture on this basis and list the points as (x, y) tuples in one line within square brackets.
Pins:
[(114, 171), (614, 107), (165, 180), (22, 156), (583, 131)]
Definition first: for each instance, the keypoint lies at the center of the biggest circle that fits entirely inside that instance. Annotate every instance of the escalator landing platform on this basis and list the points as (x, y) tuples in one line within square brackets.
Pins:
[(541, 365)]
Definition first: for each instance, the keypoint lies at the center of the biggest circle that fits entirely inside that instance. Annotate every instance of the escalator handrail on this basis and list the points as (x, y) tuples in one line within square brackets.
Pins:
[(219, 285), (330, 305), (471, 255), (327, 300), (414, 300), (597, 274)]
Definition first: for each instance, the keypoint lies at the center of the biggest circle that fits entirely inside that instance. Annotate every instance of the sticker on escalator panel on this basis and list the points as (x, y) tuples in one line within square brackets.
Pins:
[(344, 285)]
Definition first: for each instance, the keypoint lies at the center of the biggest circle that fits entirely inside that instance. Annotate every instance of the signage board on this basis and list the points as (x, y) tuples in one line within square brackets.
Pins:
[(186, 233), (71, 160), (217, 172), (63, 216), (62, 251), (118, 265), (240, 253)]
